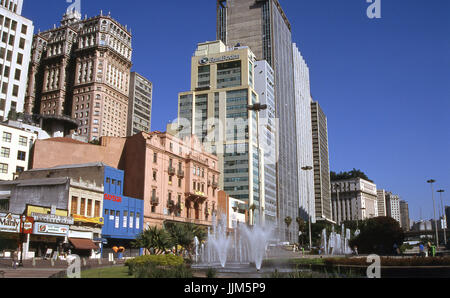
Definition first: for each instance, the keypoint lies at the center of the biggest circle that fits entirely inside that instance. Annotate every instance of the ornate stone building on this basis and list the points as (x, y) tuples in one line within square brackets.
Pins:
[(81, 69)]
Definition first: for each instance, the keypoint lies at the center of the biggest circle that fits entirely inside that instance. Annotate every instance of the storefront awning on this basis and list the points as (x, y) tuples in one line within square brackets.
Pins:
[(83, 244)]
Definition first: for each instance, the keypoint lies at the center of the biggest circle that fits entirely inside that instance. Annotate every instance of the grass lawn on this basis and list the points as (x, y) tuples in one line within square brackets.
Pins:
[(108, 272)]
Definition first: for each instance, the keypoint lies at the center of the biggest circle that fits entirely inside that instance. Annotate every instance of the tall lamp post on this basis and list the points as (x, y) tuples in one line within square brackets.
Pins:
[(257, 107), (307, 169), (441, 191), (22, 225), (431, 181)]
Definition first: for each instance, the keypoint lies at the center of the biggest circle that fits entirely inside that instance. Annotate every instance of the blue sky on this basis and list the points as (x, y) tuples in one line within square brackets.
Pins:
[(384, 84)]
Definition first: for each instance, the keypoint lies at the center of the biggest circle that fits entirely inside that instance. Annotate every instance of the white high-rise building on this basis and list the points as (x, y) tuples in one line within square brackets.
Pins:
[(264, 86), (393, 206), (304, 135), (15, 48)]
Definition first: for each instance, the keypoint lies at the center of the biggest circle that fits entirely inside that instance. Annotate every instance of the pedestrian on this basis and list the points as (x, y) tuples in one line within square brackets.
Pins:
[(15, 258), (356, 250), (422, 250), (395, 249)]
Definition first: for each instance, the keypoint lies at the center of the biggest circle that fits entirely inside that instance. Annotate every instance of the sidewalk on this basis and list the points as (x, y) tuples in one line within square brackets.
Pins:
[(29, 272)]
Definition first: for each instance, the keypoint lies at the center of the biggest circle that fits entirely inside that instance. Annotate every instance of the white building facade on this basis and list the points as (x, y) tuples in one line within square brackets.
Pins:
[(381, 194), (264, 86), (354, 199), (393, 206), (15, 48), (15, 147), (304, 135)]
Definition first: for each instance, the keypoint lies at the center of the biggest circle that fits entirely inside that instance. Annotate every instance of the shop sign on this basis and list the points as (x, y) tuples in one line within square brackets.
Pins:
[(50, 229), (27, 226), (9, 223), (112, 198), (55, 219), (84, 219)]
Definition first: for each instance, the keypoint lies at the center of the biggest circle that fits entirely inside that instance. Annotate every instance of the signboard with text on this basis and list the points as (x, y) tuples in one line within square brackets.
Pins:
[(50, 229), (27, 226), (56, 219), (9, 223)]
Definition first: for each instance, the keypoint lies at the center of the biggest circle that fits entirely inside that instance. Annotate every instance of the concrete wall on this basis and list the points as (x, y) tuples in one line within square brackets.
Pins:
[(66, 151)]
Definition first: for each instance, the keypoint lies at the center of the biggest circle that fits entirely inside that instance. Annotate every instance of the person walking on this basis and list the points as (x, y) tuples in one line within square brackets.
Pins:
[(422, 250)]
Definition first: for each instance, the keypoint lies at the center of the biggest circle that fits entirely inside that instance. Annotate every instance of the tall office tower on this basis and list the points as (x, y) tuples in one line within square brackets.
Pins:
[(216, 110), (140, 105), (404, 216), (322, 181), (81, 69), (264, 86), (393, 206), (263, 26), (382, 210), (15, 46), (304, 135)]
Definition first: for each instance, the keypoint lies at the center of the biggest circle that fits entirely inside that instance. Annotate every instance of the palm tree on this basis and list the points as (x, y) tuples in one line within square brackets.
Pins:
[(154, 239), (288, 221)]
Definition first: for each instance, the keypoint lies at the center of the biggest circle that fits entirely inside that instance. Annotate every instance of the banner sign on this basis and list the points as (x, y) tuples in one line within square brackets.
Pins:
[(95, 220), (50, 229), (27, 226), (56, 219), (9, 223)]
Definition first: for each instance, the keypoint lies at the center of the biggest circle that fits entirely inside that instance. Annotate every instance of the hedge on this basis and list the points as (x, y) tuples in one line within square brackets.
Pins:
[(153, 260)]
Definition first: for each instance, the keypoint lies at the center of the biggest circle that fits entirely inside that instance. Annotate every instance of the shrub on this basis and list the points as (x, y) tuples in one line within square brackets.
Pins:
[(152, 271), (153, 260), (211, 273)]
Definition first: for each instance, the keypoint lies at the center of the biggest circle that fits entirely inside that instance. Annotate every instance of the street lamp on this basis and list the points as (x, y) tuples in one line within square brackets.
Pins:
[(22, 224), (258, 107), (441, 191), (431, 181), (337, 188), (307, 169)]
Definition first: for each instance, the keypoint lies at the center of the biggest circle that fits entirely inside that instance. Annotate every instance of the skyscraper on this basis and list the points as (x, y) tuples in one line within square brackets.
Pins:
[(304, 135), (264, 27), (81, 69), (216, 110), (322, 183), (264, 86), (381, 194), (393, 206), (404, 216), (140, 105), (15, 46)]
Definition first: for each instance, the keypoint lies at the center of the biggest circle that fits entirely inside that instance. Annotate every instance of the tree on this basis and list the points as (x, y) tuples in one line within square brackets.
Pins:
[(184, 234), (288, 221), (378, 235), (156, 240), (349, 175)]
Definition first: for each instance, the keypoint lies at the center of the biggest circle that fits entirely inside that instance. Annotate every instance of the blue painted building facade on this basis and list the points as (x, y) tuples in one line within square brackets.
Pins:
[(124, 216)]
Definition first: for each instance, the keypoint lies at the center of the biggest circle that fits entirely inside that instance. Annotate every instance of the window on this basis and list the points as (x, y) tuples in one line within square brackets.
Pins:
[(155, 157), (5, 152), (23, 141), (20, 170), (21, 155), (138, 220), (74, 206), (117, 222), (15, 91), (125, 219), (17, 75), (24, 29), (3, 168), (7, 137), (89, 208), (22, 43), (131, 220), (19, 58), (83, 207), (179, 182), (97, 209)]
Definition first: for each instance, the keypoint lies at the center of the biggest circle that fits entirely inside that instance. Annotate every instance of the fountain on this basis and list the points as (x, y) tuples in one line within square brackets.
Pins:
[(336, 244), (244, 246)]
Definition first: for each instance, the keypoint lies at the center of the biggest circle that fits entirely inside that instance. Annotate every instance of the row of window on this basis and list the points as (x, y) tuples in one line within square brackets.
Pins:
[(7, 136), (87, 207), (12, 24), (5, 167), (130, 221), (6, 152)]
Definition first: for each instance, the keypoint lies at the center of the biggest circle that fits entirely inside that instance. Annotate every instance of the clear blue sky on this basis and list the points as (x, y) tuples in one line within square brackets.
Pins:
[(384, 84)]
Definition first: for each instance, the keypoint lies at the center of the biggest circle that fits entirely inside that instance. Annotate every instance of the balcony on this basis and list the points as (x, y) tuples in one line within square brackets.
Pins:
[(171, 171), (155, 201), (215, 185), (180, 173)]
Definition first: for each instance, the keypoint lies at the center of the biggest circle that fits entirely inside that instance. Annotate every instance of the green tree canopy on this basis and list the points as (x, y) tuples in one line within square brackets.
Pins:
[(154, 239), (378, 235), (349, 175)]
